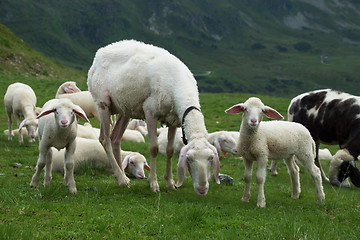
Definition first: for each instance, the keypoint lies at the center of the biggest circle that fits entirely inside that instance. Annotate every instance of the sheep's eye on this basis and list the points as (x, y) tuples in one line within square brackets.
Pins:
[(132, 163)]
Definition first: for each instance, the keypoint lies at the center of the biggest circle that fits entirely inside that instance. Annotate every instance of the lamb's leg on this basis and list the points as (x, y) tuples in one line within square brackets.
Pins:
[(247, 176), (116, 137), (169, 153), (294, 177), (69, 167), (9, 126), (152, 132), (18, 121), (318, 164), (273, 169), (48, 165), (43, 151), (104, 139), (260, 180)]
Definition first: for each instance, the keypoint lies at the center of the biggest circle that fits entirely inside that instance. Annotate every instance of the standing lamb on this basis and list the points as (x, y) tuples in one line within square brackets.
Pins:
[(91, 152), (20, 100), (142, 81), (57, 130), (78, 97), (332, 117), (260, 141)]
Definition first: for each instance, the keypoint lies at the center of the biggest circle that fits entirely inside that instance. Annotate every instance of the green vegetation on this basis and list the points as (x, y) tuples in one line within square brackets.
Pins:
[(101, 209)]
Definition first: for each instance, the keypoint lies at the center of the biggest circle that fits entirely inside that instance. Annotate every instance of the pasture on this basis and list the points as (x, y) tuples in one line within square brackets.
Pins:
[(102, 209)]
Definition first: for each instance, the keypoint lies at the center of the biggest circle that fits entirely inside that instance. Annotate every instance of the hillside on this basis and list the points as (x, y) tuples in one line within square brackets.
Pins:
[(271, 47)]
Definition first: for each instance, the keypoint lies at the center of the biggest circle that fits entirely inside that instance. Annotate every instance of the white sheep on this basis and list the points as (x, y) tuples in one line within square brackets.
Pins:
[(78, 97), (90, 152), (142, 81), (86, 131), (20, 100), (260, 141), (139, 125), (222, 140), (57, 130), (128, 136)]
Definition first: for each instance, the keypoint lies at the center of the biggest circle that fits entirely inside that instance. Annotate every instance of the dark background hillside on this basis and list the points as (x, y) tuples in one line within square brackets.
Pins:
[(274, 47)]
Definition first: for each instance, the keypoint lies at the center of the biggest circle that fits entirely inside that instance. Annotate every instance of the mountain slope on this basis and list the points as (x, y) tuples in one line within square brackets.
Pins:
[(272, 47)]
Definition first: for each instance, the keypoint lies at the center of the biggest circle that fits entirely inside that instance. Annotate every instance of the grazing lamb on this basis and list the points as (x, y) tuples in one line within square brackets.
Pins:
[(324, 154), (222, 140), (57, 130), (91, 152), (142, 81), (139, 125), (332, 117), (78, 97), (20, 100), (260, 141)]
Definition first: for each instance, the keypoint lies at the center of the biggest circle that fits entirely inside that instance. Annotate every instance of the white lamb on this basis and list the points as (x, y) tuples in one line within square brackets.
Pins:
[(275, 140), (91, 152), (57, 130), (20, 100), (78, 97), (129, 135), (139, 125), (142, 81), (222, 140)]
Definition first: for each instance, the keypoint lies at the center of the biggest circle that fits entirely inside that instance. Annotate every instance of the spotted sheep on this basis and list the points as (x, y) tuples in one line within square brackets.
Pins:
[(332, 117)]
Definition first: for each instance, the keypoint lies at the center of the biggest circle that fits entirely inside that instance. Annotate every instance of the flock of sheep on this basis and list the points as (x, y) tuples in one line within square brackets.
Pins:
[(133, 80)]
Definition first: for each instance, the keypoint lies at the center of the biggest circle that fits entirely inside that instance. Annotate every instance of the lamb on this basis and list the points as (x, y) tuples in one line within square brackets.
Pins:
[(324, 154), (129, 135), (222, 140), (57, 130), (20, 100), (78, 97), (139, 125), (141, 81), (260, 141), (91, 152), (332, 117)]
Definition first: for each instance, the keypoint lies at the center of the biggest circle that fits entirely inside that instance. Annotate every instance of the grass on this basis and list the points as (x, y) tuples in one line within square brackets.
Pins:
[(102, 209)]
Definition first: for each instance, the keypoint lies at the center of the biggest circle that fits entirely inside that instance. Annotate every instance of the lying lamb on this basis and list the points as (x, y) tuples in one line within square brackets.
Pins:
[(274, 140), (90, 152), (57, 130), (20, 100), (139, 125)]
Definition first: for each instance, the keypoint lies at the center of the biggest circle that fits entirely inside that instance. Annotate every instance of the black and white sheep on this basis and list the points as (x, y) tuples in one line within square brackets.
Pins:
[(332, 117)]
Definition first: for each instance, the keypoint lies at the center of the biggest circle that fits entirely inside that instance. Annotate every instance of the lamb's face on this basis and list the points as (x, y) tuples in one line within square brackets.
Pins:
[(228, 144), (253, 112), (135, 165), (64, 115), (31, 127)]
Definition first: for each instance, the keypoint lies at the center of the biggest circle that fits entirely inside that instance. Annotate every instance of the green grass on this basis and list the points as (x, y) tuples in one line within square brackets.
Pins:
[(102, 209)]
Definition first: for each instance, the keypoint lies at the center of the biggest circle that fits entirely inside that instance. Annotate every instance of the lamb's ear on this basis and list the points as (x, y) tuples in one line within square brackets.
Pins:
[(236, 108), (146, 166), (181, 169), (78, 110), (272, 113), (46, 111), (215, 163), (22, 124), (125, 162), (218, 147)]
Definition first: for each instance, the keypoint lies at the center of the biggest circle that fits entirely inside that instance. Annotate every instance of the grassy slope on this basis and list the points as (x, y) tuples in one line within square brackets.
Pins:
[(101, 209)]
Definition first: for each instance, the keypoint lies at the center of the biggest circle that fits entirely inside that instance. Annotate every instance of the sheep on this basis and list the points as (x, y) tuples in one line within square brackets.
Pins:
[(259, 141), (91, 152), (86, 131), (139, 125), (332, 117), (222, 140), (78, 97), (324, 154), (57, 130), (141, 81), (129, 135), (20, 100)]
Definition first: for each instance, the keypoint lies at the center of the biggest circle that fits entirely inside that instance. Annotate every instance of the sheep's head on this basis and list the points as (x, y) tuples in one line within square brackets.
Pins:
[(227, 143), (68, 87), (342, 166), (64, 111), (31, 127), (135, 163), (253, 110), (198, 156)]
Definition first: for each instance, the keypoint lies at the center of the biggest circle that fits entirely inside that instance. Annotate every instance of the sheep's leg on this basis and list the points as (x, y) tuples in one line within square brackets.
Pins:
[(247, 175), (273, 169), (315, 174), (169, 153), (18, 121), (116, 137), (48, 165), (294, 177), (154, 148), (104, 139), (318, 164), (69, 167), (43, 152), (260, 180), (9, 126)]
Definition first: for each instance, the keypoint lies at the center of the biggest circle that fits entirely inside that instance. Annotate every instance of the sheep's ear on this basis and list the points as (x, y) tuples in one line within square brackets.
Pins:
[(125, 162), (181, 169), (146, 166), (215, 163), (22, 124), (45, 112), (217, 146), (71, 89), (272, 113), (37, 110), (236, 108), (78, 110)]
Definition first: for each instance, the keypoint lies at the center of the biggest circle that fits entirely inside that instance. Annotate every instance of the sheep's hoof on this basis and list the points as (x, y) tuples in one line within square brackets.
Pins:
[(73, 190), (261, 205), (124, 182), (154, 187), (33, 185), (170, 184), (274, 174), (295, 196), (245, 199)]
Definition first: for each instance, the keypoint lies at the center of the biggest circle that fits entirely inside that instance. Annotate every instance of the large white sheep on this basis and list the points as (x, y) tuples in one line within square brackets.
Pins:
[(57, 130), (260, 141), (222, 140), (91, 152), (20, 100), (142, 81), (78, 97)]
